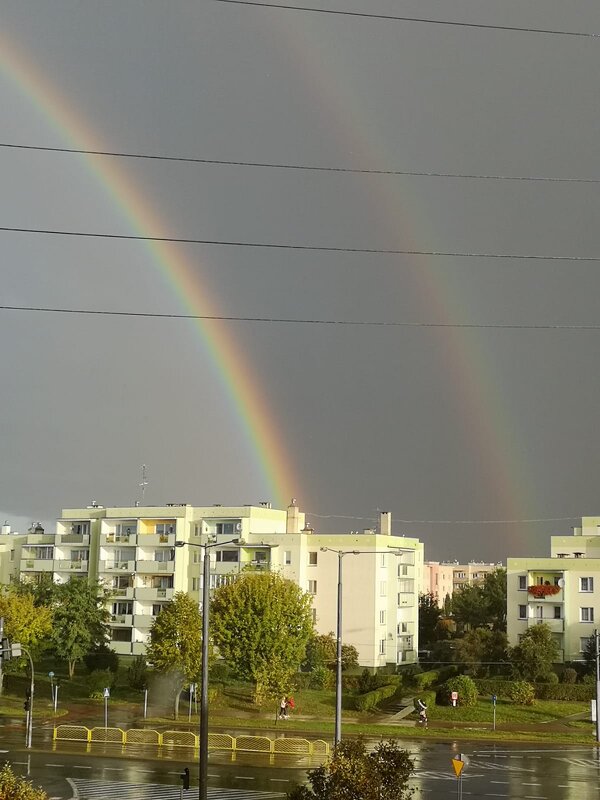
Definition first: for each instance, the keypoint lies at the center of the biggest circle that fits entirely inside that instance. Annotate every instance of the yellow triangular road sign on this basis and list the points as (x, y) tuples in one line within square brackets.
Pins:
[(458, 766)]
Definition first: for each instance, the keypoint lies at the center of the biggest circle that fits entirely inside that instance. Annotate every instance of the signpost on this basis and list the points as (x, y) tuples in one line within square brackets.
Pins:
[(494, 698), (454, 698), (459, 762), (106, 696)]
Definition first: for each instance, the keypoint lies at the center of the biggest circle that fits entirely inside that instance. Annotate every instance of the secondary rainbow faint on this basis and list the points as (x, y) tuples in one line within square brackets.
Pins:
[(248, 404)]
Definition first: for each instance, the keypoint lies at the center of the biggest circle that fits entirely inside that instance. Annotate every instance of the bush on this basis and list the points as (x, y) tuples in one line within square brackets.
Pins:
[(321, 678), (137, 674), (369, 700), (465, 686), (565, 691), (13, 787), (549, 678), (98, 680), (522, 693), (490, 686), (101, 658), (569, 675), (367, 682), (426, 679)]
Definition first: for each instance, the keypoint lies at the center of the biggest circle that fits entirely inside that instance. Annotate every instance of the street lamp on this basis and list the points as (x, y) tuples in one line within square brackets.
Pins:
[(203, 750), (338, 666)]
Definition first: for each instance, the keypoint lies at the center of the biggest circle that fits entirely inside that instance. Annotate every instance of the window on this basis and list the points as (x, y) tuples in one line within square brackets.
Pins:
[(382, 588), (225, 528), (586, 584), (383, 555), (557, 614), (164, 528), (382, 617), (287, 558), (166, 554), (120, 634), (584, 643), (522, 612), (79, 555), (156, 609), (312, 558), (196, 557), (522, 583), (195, 584), (229, 556), (382, 647), (80, 528), (216, 581), (586, 614), (403, 627), (122, 608), (312, 587), (314, 616)]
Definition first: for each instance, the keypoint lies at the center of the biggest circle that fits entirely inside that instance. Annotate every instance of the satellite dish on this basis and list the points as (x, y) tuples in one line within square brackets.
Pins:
[(561, 582), (238, 526)]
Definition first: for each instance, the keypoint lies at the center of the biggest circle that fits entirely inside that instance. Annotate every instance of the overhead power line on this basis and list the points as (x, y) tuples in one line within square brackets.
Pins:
[(299, 167), (305, 247), (305, 321), (396, 18), (449, 521)]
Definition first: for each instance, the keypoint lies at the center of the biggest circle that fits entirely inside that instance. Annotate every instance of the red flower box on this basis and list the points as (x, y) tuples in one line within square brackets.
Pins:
[(543, 590)]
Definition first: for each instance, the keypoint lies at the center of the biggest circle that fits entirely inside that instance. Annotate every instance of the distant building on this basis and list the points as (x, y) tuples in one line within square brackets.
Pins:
[(562, 591), (443, 578), (132, 551)]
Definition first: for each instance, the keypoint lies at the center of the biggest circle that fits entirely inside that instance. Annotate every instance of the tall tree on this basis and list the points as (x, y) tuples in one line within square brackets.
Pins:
[(80, 620), (430, 615), (175, 647), (354, 774), (261, 623), (532, 659), (494, 591), (321, 651), (482, 651), (482, 605), (23, 621)]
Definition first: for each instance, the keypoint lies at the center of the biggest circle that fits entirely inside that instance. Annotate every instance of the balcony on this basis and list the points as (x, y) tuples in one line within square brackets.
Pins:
[(122, 619), (148, 593), (122, 648), (116, 566), (117, 538), (156, 540), (406, 657), (121, 591), (74, 538), (555, 625), (147, 567), (537, 593), (143, 620), (406, 599), (37, 564), (66, 565), (138, 648)]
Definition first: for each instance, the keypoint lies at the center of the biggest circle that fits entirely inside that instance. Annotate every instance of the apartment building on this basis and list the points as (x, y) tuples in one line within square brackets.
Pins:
[(562, 591), (132, 552), (443, 578)]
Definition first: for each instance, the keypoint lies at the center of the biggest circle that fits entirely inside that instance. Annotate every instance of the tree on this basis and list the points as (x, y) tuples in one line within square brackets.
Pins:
[(175, 647), (482, 605), (261, 624), (321, 651), (430, 615), (481, 651), (353, 774), (43, 590), (533, 657), (23, 621), (13, 787), (80, 620)]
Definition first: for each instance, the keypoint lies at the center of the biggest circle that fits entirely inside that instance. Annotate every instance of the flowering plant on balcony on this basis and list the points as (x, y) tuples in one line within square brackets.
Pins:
[(543, 590)]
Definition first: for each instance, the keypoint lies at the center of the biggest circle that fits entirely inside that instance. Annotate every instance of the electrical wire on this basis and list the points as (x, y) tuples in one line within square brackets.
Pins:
[(298, 321), (450, 521), (395, 18), (299, 167), (300, 247)]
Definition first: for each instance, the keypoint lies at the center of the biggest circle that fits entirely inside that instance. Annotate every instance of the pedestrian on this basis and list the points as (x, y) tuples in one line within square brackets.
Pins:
[(422, 709), (283, 708)]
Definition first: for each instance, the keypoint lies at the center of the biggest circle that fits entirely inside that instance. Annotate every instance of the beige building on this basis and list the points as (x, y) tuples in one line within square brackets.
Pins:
[(443, 578), (132, 552), (562, 591)]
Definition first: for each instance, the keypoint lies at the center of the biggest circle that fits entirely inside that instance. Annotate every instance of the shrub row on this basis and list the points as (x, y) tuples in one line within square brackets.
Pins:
[(543, 691), (424, 680), (365, 702)]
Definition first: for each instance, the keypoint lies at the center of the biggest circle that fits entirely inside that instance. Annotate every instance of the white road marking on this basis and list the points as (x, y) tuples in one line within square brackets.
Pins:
[(80, 766), (506, 782), (54, 765), (244, 778), (279, 780)]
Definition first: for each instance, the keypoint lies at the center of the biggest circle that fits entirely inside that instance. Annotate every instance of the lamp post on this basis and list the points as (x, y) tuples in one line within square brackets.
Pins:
[(338, 666), (203, 732)]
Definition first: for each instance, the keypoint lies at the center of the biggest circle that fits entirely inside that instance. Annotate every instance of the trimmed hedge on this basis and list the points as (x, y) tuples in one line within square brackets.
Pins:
[(369, 700), (426, 679), (543, 691)]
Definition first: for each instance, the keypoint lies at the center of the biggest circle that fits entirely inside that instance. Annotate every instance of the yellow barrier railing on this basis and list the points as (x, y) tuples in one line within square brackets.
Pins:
[(216, 741)]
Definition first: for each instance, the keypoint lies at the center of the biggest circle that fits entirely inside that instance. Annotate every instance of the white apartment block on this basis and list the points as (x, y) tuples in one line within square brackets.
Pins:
[(562, 591), (132, 552), (443, 578)]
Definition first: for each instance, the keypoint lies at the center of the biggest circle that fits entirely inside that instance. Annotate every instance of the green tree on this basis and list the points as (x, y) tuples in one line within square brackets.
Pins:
[(533, 657), (430, 615), (494, 592), (463, 685), (482, 605), (43, 590), (13, 787), (175, 647), (482, 651), (261, 624), (354, 774), (321, 651), (23, 621), (80, 620)]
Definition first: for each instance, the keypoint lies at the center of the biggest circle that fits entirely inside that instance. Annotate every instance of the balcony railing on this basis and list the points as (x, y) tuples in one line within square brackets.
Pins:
[(122, 619), (70, 565), (38, 564)]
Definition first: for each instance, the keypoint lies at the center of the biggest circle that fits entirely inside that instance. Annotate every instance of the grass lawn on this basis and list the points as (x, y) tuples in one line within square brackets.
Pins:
[(540, 711)]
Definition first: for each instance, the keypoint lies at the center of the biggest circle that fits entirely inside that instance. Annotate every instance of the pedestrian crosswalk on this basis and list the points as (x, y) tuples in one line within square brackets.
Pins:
[(109, 790)]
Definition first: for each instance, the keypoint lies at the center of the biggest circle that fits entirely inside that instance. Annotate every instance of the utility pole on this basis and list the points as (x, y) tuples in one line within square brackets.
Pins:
[(597, 641), (144, 483), (1, 654)]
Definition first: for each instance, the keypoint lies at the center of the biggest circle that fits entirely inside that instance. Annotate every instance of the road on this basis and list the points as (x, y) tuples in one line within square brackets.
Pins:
[(523, 772)]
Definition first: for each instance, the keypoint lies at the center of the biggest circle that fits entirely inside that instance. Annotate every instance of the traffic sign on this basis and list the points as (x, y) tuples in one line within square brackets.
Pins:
[(107, 692), (494, 698), (458, 766)]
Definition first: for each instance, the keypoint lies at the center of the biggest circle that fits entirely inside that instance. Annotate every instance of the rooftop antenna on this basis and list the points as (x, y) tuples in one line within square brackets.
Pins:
[(144, 482)]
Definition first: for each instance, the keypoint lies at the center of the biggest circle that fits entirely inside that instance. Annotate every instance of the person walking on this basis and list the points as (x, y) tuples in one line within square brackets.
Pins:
[(283, 708), (422, 709)]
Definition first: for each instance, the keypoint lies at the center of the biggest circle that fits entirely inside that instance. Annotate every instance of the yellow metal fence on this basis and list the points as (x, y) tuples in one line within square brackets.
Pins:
[(216, 741)]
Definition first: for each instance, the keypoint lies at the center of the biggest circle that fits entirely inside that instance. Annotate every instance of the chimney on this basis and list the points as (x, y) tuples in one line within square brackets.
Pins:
[(5, 528), (295, 520), (385, 523)]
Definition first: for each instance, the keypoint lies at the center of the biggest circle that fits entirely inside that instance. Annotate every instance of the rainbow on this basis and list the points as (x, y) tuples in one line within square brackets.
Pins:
[(477, 394), (247, 403)]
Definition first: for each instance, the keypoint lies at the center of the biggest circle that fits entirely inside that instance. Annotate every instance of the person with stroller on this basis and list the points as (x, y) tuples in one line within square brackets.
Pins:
[(422, 709)]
